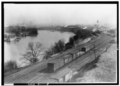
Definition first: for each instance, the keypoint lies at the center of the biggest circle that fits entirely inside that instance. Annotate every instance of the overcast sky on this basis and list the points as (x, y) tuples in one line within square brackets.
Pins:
[(59, 14)]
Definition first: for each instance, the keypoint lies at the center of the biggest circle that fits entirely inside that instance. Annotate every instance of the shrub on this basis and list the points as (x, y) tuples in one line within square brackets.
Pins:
[(58, 47), (10, 65)]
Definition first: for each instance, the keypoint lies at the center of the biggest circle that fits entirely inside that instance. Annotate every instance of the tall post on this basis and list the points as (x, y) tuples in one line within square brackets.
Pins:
[(94, 50)]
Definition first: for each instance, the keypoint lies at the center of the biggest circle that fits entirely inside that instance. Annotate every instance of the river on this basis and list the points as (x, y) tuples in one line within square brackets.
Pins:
[(15, 50)]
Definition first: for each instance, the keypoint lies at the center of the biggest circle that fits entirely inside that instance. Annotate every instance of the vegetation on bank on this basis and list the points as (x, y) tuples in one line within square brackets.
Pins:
[(22, 31), (18, 32)]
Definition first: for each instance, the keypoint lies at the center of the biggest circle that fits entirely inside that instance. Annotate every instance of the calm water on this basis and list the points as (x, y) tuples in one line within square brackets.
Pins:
[(14, 51)]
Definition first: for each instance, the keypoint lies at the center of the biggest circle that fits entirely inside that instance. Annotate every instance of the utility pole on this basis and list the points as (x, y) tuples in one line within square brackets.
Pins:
[(94, 50), (97, 24)]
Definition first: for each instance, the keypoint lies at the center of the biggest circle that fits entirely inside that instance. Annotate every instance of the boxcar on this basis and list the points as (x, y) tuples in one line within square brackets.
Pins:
[(52, 66)]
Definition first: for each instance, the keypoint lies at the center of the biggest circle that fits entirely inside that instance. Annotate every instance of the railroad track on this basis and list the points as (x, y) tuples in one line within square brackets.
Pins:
[(75, 64), (27, 73)]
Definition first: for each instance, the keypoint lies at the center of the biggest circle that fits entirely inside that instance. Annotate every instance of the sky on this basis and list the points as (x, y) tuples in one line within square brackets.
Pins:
[(59, 14)]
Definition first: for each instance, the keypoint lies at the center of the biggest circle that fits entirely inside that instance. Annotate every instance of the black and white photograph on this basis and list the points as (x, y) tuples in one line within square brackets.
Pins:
[(60, 43)]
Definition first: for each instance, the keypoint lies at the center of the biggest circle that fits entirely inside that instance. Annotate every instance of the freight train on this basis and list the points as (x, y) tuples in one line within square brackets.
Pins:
[(57, 63)]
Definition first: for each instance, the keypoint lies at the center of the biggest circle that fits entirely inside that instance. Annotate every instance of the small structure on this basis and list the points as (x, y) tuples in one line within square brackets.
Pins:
[(63, 75)]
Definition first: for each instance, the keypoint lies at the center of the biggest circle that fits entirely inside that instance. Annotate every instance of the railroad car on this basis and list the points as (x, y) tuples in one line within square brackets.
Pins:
[(57, 63), (74, 55), (81, 52), (67, 58)]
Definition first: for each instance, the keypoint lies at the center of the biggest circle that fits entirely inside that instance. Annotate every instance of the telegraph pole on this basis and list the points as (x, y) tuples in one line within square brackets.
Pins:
[(94, 50)]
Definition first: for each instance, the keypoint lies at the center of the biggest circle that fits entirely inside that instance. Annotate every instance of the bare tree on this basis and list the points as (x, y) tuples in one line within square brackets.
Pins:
[(33, 52)]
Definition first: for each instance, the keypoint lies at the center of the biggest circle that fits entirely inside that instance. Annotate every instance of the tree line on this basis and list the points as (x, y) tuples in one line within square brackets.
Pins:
[(22, 31)]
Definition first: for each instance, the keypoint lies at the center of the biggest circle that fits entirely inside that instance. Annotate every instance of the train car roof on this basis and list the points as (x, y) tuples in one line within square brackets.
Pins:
[(65, 56), (55, 60)]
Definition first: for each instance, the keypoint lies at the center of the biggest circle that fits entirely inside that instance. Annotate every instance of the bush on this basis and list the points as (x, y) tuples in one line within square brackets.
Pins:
[(96, 32), (48, 53), (58, 47), (10, 65), (80, 34)]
